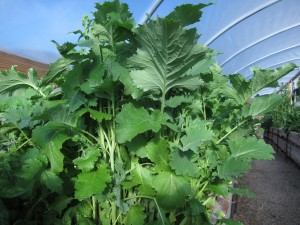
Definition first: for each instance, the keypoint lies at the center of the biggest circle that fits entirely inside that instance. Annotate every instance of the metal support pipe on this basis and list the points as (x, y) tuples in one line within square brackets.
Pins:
[(151, 11)]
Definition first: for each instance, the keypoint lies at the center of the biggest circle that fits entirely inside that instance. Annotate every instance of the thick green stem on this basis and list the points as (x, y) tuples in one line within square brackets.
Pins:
[(113, 212), (233, 129), (148, 197), (204, 108), (94, 203), (163, 102), (22, 145)]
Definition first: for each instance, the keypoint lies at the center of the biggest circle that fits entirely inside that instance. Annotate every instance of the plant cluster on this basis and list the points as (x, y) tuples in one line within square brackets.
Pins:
[(286, 116), (130, 126)]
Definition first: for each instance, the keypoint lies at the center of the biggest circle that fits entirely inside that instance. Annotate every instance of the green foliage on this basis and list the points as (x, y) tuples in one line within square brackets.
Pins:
[(130, 126), (285, 116)]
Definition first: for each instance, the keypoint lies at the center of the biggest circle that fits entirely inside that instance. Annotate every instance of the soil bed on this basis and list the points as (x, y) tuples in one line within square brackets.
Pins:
[(276, 185)]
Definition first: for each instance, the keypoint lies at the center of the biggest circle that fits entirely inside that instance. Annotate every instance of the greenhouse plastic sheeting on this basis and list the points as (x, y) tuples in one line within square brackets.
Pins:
[(250, 33)]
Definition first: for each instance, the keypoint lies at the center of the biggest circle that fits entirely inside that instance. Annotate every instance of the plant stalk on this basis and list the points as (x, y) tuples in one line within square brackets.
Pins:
[(233, 129)]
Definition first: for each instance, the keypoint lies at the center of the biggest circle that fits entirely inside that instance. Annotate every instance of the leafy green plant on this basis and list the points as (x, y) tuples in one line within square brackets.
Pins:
[(285, 116), (130, 126)]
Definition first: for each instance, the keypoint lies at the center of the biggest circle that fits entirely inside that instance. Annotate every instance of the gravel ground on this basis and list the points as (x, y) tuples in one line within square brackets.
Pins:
[(276, 185)]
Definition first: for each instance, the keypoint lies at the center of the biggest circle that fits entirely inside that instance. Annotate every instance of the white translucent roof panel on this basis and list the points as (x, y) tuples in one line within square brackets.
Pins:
[(273, 20), (224, 15), (274, 47), (253, 33)]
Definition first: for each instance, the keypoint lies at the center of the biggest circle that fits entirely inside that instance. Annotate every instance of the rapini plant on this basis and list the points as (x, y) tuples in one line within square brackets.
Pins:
[(130, 126)]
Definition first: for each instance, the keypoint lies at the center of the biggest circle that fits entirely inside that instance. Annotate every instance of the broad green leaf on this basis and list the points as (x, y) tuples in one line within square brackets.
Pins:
[(123, 74), (242, 90), (167, 52), (52, 181), (250, 148), (31, 168), (129, 87), (60, 204), (50, 139), (240, 133), (196, 134), (85, 43), (229, 222), (262, 104), (87, 161), (113, 22), (19, 114), (71, 88), (232, 168), (187, 14), (172, 190), (11, 191), (157, 151), (176, 101), (137, 146), (65, 48), (143, 177), (95, 115), (99, 116), (135, 215), (105, 213), (91, 183), (84, 220), (182, 164), (55, 70), (132, 121), (241, 191), (219, 189), (11, 80)]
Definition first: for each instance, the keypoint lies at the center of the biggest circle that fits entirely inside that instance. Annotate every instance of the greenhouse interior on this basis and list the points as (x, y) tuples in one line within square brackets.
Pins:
[(156, 112)]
